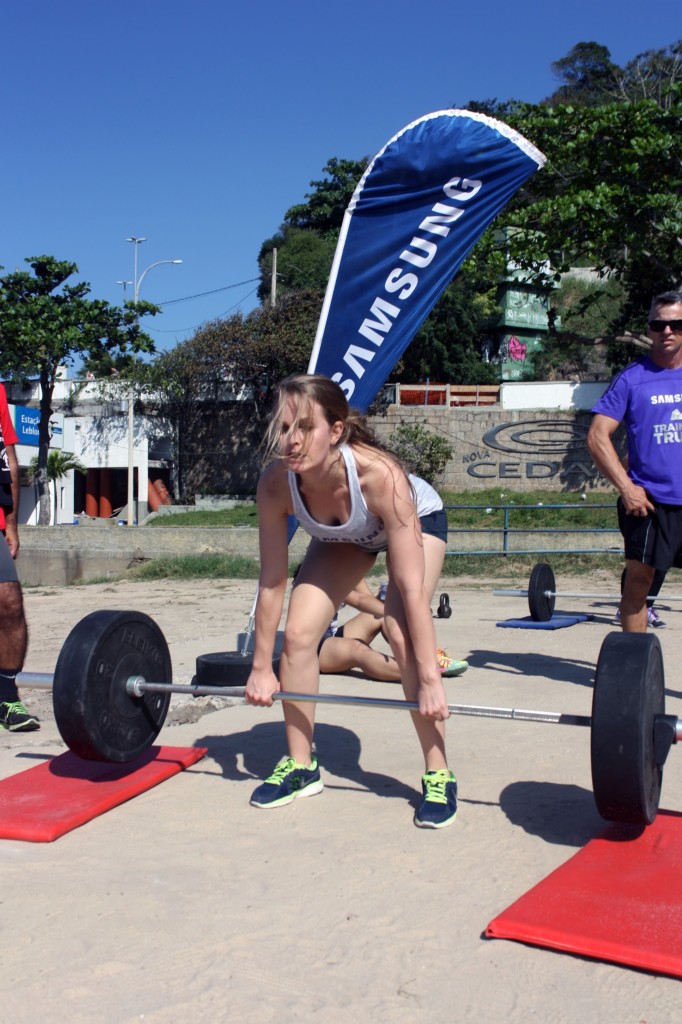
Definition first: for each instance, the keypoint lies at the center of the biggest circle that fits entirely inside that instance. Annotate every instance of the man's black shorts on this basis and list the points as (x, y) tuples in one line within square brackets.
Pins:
[(8, 567), (655, 539)]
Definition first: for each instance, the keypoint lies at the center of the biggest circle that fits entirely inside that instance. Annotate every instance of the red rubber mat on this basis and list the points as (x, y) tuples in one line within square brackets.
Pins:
[(45, 802), (616, 900)]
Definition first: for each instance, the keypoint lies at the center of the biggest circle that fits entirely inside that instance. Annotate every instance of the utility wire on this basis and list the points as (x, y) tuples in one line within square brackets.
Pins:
[(194, 327), (200, 295)]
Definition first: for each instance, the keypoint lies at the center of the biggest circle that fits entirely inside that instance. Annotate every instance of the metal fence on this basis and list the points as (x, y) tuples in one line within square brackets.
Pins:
[(503, 540)]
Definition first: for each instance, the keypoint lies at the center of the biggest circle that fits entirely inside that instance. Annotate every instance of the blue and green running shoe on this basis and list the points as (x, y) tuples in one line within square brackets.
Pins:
[(16, 718), (439, 804), (288, 781)]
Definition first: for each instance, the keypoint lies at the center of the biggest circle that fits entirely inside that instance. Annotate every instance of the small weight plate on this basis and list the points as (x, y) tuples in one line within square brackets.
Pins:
[(541, 580), (96, 717), (629, 691), (226, 668)]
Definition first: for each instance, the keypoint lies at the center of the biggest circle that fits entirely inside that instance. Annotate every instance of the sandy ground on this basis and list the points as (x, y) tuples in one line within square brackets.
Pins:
[(187, 905)]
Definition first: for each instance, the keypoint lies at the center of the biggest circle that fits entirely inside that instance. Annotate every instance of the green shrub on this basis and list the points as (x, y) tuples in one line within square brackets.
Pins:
[(425, 454)]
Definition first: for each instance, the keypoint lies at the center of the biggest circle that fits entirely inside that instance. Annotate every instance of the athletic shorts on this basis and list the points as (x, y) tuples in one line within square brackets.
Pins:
[(329, 636), (435, 524), (8, 567), (655, 539)]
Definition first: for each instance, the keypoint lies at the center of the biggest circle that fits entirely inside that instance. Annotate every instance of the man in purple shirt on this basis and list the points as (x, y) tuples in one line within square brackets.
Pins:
[(647, 398)]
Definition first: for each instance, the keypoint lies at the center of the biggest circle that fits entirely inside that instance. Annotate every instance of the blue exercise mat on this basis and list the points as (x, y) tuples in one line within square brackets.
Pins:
[(556, 622)]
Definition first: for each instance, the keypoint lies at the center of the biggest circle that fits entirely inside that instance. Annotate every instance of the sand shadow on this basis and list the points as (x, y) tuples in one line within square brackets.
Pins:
[(559, 813), (250, 756), (565, 670)]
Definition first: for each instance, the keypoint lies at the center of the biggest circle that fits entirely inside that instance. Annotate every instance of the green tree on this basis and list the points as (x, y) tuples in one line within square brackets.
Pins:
[(241, 356), (447, 346), (46, 324), (331, 195), (589, 76), (306, 241), (59, 463), (608, 198), (304, 261), (652, 75), (585, 307)]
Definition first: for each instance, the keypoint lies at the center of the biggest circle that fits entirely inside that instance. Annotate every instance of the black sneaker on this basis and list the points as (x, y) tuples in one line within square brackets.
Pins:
[(439, 805), (288, 781), (15, 717)]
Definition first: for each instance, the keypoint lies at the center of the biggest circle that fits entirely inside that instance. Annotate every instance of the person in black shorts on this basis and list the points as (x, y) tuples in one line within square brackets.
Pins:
[(646, 397), (13, 629), (654, 619)]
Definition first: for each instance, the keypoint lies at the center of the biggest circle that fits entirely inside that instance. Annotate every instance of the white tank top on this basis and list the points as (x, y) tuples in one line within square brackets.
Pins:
[(363, 528)]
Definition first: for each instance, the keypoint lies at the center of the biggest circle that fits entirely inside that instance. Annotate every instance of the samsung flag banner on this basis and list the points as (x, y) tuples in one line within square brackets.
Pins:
[(420, 207)]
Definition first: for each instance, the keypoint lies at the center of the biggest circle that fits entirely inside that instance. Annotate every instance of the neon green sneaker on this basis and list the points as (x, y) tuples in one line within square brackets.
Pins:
[(16, 718), (288, 781), (439, 804)]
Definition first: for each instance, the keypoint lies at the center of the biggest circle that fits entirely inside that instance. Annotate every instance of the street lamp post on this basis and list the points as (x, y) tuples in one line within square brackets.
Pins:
[(136, 282), (125, 285)]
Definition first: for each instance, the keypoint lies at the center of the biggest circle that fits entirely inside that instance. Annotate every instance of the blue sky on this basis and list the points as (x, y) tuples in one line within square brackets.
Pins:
[(198, 123)]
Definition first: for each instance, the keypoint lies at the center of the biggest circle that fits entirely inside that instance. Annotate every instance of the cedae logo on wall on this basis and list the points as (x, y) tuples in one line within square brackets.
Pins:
[(528, 440)]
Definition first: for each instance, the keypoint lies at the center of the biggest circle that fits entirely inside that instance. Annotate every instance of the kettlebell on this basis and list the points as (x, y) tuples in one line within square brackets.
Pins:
[(444, 609)]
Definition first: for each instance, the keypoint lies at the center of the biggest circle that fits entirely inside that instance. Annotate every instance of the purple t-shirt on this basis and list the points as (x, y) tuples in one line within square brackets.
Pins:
[(648, 399)]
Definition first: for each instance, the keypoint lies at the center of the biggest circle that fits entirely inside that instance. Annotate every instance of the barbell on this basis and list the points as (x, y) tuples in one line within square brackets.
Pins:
[(111, 697), (542, 593)]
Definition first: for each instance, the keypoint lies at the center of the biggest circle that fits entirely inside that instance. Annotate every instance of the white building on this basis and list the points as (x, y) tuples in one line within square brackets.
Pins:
[(96, 433)]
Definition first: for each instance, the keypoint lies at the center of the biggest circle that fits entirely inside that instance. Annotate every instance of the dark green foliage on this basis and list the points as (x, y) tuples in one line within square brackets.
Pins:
[(327, 202), (589, 76), (447, 346), (608, 198), (424, 453), (304, 260)]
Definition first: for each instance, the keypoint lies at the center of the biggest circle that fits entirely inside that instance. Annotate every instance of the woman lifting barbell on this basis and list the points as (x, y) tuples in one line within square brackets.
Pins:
[(354, 499)]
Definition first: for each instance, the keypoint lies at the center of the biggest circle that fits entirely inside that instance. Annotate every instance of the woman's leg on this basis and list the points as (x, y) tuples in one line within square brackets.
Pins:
[(363, 626), (342, 653), (431, 734), (327, 574)]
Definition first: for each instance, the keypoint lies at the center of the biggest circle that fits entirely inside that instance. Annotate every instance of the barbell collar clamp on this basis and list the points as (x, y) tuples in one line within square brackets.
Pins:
[(666, 732)]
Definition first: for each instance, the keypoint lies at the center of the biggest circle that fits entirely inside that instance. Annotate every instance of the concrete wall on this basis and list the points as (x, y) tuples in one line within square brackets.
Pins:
[(507, 448), (59, 555)]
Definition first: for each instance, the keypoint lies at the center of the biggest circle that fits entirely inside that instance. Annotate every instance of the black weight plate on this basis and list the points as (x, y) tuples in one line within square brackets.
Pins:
[(629, 691), (541, 580), (95, 716), (226, 668)]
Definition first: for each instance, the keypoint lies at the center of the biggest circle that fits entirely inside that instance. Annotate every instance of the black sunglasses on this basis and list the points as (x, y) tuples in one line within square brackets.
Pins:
[(660, 325)]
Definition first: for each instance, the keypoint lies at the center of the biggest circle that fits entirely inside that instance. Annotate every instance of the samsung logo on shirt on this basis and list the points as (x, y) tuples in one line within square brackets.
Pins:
[(666, 399)]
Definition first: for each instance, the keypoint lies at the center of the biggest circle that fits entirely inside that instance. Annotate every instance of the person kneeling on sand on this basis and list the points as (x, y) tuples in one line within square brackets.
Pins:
[(348, 646)]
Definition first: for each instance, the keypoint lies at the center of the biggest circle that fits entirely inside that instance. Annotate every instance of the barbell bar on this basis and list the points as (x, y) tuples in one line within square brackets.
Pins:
[(596, 597), (110, 701), (542, 593), (136, 686)]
